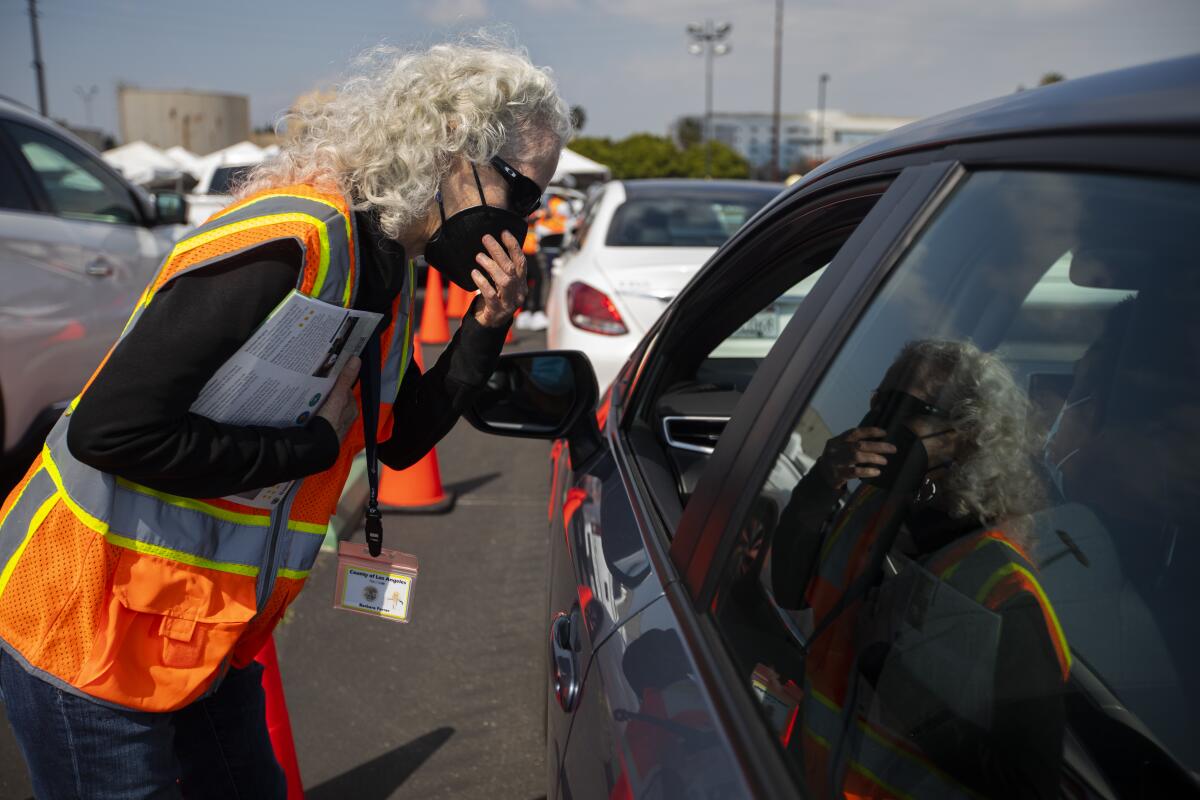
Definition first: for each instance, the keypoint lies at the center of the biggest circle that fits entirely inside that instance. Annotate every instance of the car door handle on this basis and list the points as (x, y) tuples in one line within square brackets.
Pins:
[(564, 662), (99, 268)]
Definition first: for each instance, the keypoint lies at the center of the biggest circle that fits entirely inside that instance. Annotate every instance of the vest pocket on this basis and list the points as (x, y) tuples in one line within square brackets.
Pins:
[(165, 631)]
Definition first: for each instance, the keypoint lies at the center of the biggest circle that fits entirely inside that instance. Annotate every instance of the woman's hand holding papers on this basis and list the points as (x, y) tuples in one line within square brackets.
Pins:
[(340, 408)]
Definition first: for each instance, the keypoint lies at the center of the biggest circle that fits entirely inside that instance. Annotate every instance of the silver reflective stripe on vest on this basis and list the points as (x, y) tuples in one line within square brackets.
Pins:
[(150, 520), (400, 351), (870, 754), (851, 523), (301, 553), (37, 491), (88, 488)]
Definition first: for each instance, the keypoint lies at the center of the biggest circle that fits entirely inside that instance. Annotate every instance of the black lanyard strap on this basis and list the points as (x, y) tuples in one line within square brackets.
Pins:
[(370, 377)]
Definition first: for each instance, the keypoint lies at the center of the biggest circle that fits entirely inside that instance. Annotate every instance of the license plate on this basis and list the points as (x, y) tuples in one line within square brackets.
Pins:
[(763, 325)]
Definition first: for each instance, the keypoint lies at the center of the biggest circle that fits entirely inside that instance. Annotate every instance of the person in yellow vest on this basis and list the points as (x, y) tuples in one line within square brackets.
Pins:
[(935, 664), (135, 590)]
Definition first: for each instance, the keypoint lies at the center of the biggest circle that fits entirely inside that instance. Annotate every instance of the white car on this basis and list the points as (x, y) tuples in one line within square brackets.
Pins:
[(636, 245), (213, 191)]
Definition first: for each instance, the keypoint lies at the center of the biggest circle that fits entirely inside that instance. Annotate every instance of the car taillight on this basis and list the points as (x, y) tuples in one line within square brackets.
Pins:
[(592, 310)]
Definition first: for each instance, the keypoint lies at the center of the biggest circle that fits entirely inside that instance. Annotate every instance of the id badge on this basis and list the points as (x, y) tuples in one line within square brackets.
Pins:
[(381, 587)]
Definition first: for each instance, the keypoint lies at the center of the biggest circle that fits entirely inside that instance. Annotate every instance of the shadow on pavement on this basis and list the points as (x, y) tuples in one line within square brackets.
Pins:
[(380, 777), (469, 485)]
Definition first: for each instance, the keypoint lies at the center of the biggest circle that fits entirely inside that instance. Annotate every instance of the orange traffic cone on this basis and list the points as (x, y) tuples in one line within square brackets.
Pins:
[(434, 328), (511, 337), (460, 301), (279, 724), (417, 489)]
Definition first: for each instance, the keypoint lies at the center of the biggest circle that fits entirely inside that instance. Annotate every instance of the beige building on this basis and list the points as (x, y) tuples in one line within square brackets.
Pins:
[(201, 122)]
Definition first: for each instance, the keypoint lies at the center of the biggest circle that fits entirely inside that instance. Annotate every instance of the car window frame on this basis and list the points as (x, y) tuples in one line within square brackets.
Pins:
[(1155, 156), (786, 379), (38, 191), (751, 740)]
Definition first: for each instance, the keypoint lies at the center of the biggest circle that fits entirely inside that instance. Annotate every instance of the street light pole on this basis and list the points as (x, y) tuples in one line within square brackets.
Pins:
[(87, 96), (777, 120), (708, 41), (38, 68), (824, 79)]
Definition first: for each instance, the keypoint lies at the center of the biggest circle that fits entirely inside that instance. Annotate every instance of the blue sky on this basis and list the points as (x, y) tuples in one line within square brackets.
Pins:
[(625, 61)]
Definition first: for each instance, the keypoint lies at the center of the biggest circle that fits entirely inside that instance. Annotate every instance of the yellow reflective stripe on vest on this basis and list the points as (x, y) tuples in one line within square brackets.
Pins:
[(346, 291), (236, 517), (1016, 569), (198, 240), (295, 574), (101, 527), (823, 723), (38, 517), (984, 541), (177, 555), (259, 520)]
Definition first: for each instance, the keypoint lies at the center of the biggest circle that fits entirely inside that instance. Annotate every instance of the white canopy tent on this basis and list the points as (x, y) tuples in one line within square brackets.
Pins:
[(576, 166), (144, 164)]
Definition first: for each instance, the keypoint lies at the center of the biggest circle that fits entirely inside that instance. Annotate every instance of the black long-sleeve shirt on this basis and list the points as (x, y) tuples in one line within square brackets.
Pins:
[(134, 420)]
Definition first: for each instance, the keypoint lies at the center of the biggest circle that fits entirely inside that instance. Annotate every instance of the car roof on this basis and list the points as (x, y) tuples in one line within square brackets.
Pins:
[(682, 187), (1158, 96)]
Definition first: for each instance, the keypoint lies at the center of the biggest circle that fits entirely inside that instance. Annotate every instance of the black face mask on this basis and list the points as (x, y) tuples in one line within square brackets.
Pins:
[(909, 465), (453, 247)]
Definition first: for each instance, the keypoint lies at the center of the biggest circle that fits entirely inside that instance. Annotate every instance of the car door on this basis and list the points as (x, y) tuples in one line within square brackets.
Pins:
[(646, 723), (75, 264), (1054, 299)]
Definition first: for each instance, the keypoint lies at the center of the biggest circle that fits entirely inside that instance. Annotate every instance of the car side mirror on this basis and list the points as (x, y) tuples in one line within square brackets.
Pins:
[(550, 394), (170, 208)]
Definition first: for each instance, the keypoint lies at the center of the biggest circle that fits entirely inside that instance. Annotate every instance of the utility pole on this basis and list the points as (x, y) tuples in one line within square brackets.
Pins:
[(38, 68), (708, 41), (776, 132), (824, 79)]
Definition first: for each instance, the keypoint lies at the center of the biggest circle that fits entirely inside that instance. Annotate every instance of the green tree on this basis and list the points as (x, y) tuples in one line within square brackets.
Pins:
[(690, 131), (1051, 77), (578, 117), (726, 162), (644, 155)]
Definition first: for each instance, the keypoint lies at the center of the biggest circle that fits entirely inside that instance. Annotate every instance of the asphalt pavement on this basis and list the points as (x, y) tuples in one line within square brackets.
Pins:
[(449, 705)]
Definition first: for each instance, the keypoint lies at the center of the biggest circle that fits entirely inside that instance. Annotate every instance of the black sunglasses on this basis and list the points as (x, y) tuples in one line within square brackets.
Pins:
[(524, 196), (893, 405)]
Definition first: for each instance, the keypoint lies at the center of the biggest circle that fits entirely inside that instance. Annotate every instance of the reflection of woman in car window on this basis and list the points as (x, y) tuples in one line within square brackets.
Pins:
[(935, 664)]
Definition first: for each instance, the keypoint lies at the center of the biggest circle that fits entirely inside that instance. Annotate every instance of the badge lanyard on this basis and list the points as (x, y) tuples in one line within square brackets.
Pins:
[(370, 415)]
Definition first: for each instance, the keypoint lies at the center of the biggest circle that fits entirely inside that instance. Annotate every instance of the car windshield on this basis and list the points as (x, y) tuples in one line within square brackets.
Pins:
[(225, 178), (685, 218)]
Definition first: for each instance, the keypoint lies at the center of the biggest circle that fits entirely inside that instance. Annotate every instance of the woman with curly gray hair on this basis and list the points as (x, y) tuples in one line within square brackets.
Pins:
[(925, 604), (129, 667)]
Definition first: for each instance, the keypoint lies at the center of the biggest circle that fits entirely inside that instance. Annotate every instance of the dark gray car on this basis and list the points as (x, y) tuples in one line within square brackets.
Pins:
[(1048, 239)]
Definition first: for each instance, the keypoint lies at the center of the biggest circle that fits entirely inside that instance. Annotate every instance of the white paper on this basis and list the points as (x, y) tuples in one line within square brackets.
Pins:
[(282, 374)]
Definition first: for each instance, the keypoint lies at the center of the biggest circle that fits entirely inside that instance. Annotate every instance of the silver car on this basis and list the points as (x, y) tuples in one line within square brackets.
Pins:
[(78, 243)]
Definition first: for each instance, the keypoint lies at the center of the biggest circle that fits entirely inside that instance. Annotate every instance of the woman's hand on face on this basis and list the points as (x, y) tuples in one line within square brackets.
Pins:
[(851, 454), (506, 267), (340, 409)]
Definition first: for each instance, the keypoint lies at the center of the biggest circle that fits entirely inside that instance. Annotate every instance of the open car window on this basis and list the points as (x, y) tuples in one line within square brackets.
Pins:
[(728, 330), (970, 570)]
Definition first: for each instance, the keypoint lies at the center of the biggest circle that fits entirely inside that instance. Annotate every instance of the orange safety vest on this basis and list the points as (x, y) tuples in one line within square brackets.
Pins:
[(987, 567), (142, 599)]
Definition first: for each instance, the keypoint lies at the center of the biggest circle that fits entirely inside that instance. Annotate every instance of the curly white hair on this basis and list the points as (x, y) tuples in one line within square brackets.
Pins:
[(995, 479), (387, 138)]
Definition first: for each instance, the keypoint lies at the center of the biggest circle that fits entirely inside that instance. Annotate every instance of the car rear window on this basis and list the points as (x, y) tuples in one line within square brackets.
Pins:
[(686, 219)]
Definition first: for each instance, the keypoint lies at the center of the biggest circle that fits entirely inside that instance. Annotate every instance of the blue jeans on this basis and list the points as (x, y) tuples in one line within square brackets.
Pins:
[(217, 747)]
